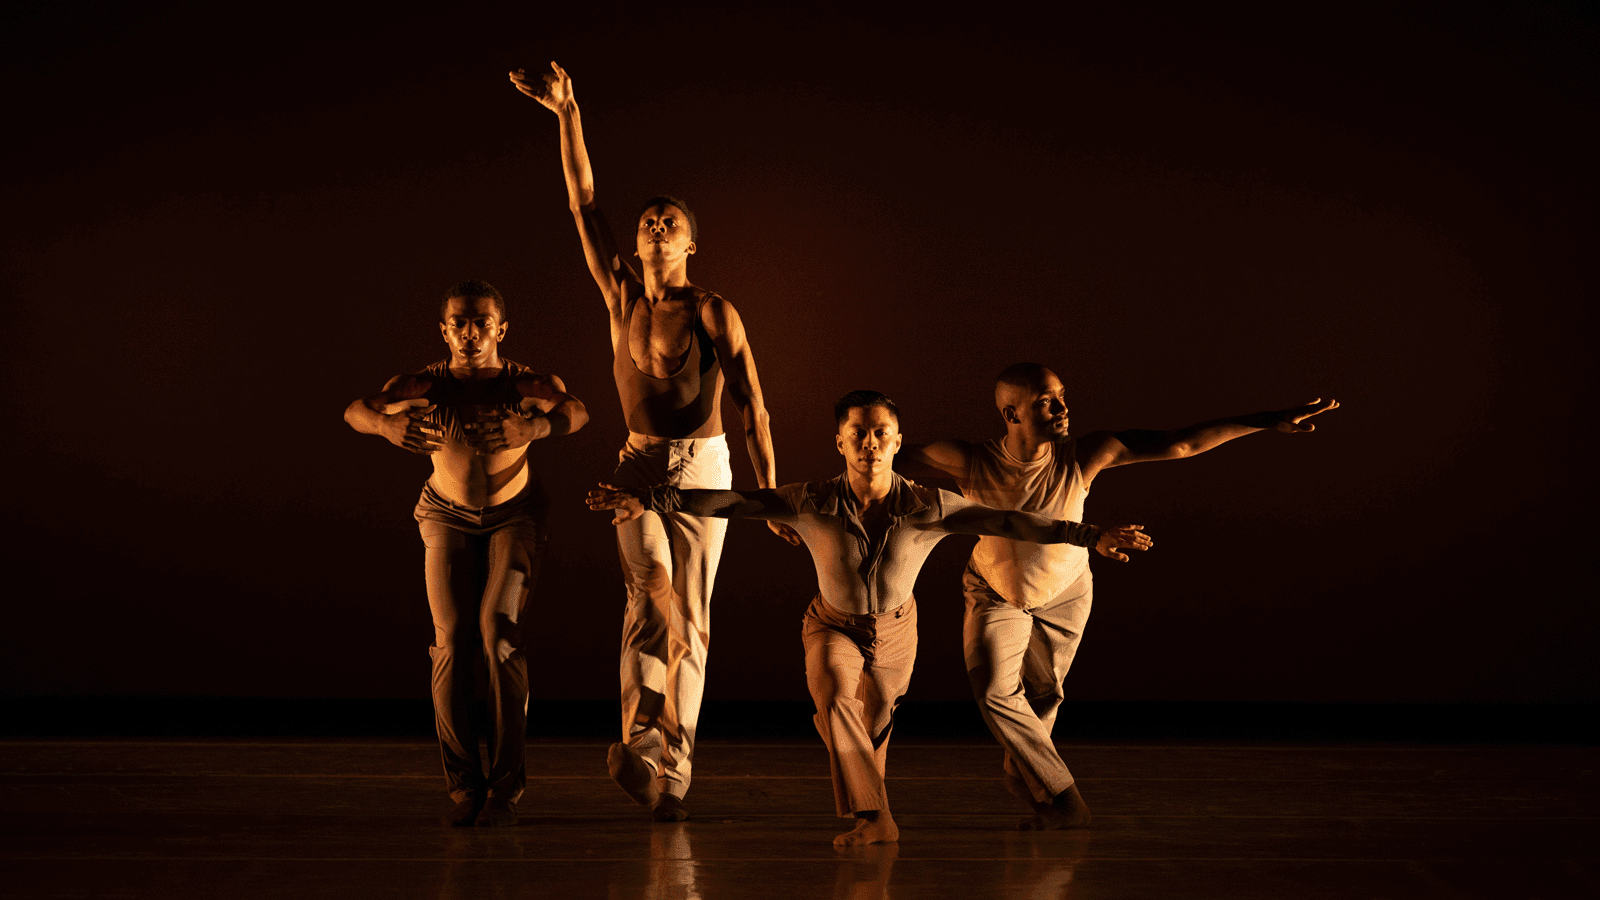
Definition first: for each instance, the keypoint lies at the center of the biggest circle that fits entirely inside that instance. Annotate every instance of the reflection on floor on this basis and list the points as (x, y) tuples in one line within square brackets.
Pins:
[(357, 818)]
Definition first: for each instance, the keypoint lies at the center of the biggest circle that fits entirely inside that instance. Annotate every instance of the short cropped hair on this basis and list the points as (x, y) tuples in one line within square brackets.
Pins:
[(1023, 374), (863, 400), (472, 289), (669, 200)]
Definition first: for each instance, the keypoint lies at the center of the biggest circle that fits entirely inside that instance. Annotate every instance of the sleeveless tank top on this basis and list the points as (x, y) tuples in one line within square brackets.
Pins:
[(1026, 574), (685, 404)]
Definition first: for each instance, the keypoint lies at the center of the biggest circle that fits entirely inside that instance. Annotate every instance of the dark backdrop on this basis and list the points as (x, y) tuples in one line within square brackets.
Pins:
[(223, 223)]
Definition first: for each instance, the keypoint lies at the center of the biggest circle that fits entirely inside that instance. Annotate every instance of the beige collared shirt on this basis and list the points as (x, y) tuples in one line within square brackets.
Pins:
[(853, 576)]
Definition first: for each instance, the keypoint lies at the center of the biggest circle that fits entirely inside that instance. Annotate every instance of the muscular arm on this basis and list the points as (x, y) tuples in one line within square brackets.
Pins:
[(952, 459), (562, 412), (962, 516), (599, 243), (398, 415), (722, 322), (546, 410), (763, 503), (1103, 450)]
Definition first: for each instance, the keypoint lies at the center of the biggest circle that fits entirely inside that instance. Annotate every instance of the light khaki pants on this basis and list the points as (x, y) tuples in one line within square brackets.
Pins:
[(669, 563), (1017, 660), (858, 668)]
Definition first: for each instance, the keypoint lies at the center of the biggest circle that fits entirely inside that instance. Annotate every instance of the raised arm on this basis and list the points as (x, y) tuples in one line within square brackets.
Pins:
[(1103, 450), (554, 92), (398, 414), (547, 409)]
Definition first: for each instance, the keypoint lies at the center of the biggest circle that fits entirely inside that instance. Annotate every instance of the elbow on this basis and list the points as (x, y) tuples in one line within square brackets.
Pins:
[(757, 422), (577, 416)]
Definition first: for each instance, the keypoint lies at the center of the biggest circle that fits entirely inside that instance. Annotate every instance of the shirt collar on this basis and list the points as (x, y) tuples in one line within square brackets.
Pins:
[(834, 498)]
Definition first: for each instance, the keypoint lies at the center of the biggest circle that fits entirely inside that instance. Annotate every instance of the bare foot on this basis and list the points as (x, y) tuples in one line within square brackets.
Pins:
[(1067, 810), (874, 827), (669, 809), (497, 813), (463, 814), (633, 773)]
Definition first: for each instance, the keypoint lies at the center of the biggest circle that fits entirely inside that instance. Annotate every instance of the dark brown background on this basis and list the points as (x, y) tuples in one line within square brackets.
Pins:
[(223, 224)]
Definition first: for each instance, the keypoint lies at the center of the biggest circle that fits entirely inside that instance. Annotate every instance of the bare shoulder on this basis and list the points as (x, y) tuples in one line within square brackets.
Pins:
[(533, 383), (408, 386), (717, 314)]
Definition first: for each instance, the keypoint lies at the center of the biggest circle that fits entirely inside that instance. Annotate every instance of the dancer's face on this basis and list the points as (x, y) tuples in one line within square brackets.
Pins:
[(1041, 410), (473, 329), (664, 234), (869, 437)]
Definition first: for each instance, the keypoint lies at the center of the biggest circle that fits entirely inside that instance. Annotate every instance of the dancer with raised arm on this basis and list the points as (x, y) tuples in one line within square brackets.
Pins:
[(482, 517), (673, 344), (1027, 603), (869, 531)]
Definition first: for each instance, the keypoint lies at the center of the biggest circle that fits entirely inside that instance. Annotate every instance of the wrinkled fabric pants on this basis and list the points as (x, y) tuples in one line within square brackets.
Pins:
[(1016, 660), (858, 669), (480, 565), (669, 563)]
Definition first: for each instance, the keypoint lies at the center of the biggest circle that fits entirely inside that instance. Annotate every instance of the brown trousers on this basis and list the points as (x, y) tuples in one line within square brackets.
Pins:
[(480, 565), (1016, 660), (858, 668)]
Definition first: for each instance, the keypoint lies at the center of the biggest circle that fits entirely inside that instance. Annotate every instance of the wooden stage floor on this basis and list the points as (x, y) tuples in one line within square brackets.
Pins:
[(333, 817)]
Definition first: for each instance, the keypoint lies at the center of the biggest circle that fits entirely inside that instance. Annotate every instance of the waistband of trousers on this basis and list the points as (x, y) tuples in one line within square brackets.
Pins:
[(826, 612), (650, 442)]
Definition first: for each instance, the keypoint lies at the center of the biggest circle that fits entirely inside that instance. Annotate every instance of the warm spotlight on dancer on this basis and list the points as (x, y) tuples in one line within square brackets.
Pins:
[(869, 531), (1027, 603), (672, 345), (482, 517)]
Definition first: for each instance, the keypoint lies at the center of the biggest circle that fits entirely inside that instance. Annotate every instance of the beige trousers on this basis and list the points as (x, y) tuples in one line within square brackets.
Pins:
[(1017, 660), (858, 668), (669, 563)]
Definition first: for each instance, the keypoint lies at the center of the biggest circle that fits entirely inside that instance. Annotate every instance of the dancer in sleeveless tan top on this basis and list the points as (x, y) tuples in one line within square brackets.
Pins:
[(1027, 603), (482, 518), (673, 344)]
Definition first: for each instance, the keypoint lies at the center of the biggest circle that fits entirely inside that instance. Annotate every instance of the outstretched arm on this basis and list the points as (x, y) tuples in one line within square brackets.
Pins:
[(726, 329), (547, 409), (664, 498), (398, 414), (1107, 449), (554, 92), (963, 516)]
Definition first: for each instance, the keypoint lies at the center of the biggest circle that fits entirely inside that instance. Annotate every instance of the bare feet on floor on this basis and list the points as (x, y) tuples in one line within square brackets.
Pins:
[(497, 813), (633, 773), (669, 809), (873, 827), (1067, 810), (463, 814)]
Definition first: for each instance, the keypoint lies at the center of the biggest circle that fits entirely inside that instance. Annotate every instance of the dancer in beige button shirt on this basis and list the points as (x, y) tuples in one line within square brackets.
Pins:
[(869, 531), (1027, 603)]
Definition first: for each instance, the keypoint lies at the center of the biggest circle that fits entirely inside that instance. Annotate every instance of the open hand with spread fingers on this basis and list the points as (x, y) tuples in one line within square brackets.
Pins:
[(554, 91), (1293, 420), (1131, 537), (406, 425), (609, 496)]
